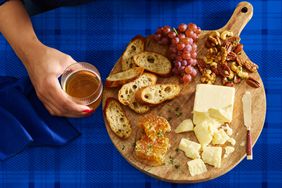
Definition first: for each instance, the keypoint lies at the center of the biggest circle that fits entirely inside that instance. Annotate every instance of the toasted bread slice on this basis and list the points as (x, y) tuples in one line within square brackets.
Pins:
[(156, 94), (151, 152), (138, 108), (120, 78), (116, 118), (126, 94), (135, 46), (155, 126), (153, 62)]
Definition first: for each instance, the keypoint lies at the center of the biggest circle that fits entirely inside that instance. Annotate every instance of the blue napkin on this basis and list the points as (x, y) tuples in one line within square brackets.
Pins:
[(24, 121)]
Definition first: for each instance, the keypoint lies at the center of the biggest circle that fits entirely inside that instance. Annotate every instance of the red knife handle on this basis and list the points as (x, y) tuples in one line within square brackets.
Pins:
[(249, 146)]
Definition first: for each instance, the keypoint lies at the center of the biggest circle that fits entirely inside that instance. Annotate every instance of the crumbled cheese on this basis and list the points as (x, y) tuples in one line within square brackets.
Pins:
[(212, 156), (232, 141), (228, 151), (185, 126), (196, 167), (220, 137), (190, 148)]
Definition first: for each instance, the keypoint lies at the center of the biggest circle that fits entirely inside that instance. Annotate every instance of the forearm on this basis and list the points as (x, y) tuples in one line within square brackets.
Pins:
[(17, 28)]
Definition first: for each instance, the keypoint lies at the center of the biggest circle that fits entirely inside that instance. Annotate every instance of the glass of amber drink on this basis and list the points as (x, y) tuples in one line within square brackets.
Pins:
[(82, 82)]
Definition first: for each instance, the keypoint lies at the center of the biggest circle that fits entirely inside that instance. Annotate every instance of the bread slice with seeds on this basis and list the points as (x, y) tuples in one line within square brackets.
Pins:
[(156, 94), (126, 94), (153, 62), (135, 46), (120, 78), (117, 119)]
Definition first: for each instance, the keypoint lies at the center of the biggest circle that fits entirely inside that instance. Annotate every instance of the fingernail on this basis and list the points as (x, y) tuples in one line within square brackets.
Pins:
[(87, 111)]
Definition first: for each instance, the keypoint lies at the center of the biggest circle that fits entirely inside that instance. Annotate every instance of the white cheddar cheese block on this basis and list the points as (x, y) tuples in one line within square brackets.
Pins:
[(232, 141), (196, 167), (213, 101), (190, 148), (185, 126), (220, 137), (228, 151), (212, 156)]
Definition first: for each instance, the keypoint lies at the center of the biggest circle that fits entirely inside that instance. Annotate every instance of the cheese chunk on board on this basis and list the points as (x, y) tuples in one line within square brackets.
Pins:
[(220, 137), (228, 151), (185, 126), (232, 141), (213, 101), (190, 148), (204, 132), (196, 167), (212, 156)]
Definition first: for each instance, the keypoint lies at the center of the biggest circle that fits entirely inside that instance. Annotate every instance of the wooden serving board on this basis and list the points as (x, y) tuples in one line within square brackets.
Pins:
[(184, 102)]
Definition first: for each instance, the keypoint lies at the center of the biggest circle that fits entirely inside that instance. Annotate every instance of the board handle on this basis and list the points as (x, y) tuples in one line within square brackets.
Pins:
[(240, 17)]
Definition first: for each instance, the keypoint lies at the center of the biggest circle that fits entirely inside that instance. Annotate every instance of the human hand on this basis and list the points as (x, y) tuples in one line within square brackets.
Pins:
[(44, 66)]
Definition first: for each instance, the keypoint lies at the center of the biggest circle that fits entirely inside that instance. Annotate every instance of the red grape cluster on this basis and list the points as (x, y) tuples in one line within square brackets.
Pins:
[(182, 48)]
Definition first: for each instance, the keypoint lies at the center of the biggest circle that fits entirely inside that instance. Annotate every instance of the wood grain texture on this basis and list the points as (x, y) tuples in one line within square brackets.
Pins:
[(185, 102)]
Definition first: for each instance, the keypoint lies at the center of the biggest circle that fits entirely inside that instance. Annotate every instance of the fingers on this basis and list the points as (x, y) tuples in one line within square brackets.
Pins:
[(64, 103)]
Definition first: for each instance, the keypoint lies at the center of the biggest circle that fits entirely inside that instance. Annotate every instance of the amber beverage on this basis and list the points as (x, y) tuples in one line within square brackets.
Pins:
[(83, 83)]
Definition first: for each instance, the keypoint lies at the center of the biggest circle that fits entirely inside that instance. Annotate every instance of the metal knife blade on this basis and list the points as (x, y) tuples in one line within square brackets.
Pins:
[(247, 109)]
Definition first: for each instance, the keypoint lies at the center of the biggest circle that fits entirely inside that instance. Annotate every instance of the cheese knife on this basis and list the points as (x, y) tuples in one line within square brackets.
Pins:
[(247, 111)]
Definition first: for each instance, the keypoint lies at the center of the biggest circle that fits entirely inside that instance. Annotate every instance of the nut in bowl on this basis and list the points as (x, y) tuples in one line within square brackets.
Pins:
[(82, 82)]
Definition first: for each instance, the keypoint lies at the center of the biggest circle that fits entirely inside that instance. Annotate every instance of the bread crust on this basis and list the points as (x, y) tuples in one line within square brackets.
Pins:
[(110, 83), (107, 105), (139, 95), (122, 59)]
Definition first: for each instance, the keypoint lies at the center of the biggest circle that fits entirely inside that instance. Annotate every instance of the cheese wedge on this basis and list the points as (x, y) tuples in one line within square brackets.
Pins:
[(196, 167), (228, 151), (185, 126), (213, 101), (220, 137), (190, 148), (212, 155), (204, 132)]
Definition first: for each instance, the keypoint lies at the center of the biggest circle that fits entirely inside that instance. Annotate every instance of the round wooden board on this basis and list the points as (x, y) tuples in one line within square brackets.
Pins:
[(185, 101)]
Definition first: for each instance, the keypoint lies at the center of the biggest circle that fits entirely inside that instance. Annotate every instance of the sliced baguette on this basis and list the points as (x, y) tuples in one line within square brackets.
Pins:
[(120, 78), (153, 62), (138, 108), (116, 118), (156, 94), (135, 46), (126, 94)]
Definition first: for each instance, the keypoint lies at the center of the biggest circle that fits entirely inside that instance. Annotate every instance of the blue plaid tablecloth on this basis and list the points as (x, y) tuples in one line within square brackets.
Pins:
[(97, 33)]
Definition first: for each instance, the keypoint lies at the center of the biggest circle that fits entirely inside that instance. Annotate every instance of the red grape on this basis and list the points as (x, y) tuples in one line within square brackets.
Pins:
[(181, 36), (180, 46), (171, 34), (187, 78), (186, 56), (182, 27), (192, 27), (187, 48), (188, 69), (189, 33), (193, 72), (194, 54), (157, 37), (164, 41), (175, 40), (166, 29)]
